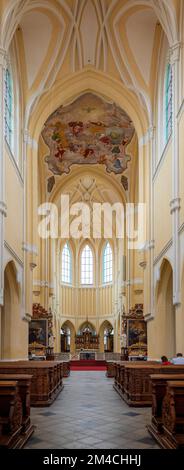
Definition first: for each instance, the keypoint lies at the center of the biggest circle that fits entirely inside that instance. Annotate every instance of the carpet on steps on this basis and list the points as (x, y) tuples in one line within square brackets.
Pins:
[(87, 368)]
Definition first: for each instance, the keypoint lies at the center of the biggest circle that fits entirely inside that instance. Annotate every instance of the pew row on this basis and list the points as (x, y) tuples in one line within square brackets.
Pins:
[(66, 368), (173, 416), (111, 369), (133, 381), (47, 378), (24, 388), (159, 388), (15, 424)]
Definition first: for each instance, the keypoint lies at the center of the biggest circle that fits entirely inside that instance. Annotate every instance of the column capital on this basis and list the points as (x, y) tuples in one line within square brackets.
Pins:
[(3, 209), (41, 283), (174, 53), (3, 57), (29, 140), (30, 248), (143, 264), (175, 205), (2, 297), (148, 136)]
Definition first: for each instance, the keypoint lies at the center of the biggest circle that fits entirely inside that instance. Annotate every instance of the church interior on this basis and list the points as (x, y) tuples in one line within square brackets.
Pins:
[(91, 310)]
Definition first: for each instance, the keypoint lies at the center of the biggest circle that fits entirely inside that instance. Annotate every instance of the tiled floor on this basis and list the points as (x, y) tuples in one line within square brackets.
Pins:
[(89, 414)]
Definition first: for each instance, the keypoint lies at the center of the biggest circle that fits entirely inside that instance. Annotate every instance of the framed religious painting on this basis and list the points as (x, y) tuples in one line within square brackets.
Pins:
[(137, 337), (38, 332)]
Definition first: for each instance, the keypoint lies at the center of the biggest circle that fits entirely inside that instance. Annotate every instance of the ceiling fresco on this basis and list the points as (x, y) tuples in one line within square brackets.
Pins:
[(88, 131)]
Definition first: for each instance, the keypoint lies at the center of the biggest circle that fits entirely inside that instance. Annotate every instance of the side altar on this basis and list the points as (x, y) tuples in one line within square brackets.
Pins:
[(134, 334)]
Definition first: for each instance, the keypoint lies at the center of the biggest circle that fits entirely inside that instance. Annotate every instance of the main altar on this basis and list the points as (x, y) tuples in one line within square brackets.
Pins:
[(87, 340)]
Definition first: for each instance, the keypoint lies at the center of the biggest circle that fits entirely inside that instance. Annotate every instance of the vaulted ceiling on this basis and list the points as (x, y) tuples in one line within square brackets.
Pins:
[(118, 37)]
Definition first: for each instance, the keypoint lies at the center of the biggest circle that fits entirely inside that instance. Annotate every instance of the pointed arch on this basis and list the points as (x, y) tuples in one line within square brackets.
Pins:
[(106, 334)]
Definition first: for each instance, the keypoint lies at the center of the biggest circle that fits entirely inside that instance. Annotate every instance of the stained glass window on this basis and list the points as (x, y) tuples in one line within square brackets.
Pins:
[(9, 109), (66, 268), (87, 266), (168, 101), (107, 264)]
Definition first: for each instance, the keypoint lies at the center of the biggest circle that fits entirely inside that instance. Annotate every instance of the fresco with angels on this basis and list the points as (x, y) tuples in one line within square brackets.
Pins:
[(88, 131)]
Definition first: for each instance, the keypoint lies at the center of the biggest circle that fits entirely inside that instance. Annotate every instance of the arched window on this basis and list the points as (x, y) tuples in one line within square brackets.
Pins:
[(107, 264), (168, 103), (66, 265), (87, 266), (9, 109)]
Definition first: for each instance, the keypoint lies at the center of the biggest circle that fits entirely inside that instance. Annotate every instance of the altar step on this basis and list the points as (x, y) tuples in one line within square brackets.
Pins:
[(85, 364)]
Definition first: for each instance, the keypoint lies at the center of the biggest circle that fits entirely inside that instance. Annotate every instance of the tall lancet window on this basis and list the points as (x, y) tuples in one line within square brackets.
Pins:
[(66, 265), (87, 266), (9, 109), (107, 264), (168, 103)]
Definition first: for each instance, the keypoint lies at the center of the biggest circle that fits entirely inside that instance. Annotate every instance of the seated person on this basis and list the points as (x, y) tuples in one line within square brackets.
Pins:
[(178, 360), (165, 361)]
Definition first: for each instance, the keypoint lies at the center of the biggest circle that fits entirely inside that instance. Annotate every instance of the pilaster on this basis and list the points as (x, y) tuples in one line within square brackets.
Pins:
[(3, 208), (175, 202)]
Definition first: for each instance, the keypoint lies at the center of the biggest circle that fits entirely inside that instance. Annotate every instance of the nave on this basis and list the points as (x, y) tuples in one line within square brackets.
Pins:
[(90, 414)]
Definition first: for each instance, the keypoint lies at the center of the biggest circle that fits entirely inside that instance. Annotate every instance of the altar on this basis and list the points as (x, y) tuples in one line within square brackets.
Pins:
[(87, 355), (87, 340)]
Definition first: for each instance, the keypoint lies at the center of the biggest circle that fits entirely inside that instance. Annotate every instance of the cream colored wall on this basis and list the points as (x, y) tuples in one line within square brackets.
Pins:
[(86, 302), (14, 202), (162, 198)]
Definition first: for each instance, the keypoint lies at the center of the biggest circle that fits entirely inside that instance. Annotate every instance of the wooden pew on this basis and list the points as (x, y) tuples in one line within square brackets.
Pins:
[(111, 365), (47, 378), (10, 415), (66, 368), (24, 386), (121, 381), (135, 385), (159, 385), (173, 416)]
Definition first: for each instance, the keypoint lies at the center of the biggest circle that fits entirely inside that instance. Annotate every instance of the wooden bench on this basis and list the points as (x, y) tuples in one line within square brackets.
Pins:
[(159, 385), (24, 386), (173, 416), (66, 368), (10, 415), (111, 367), (120, 379), (134, 382), (47, 378)]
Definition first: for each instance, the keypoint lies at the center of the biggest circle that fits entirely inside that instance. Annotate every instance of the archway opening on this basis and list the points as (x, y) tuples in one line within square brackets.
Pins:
[(165, 318), (11, 342), (86, 338), (67, 335), (106, 337)]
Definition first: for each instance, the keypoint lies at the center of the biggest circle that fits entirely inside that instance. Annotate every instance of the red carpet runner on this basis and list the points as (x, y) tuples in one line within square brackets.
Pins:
[(87, 365)]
